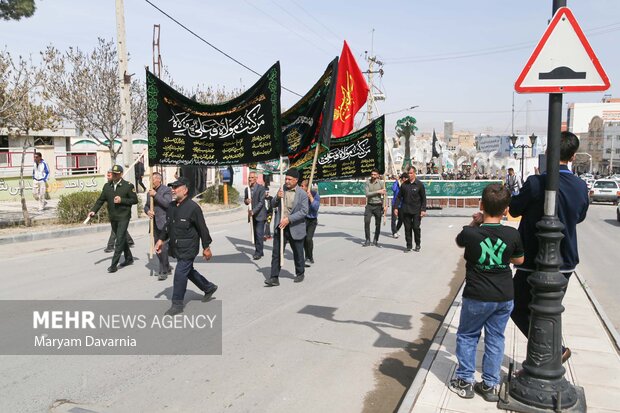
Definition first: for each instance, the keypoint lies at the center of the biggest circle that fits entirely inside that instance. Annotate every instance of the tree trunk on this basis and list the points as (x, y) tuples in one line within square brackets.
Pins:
[(27, 220), (112, 154)]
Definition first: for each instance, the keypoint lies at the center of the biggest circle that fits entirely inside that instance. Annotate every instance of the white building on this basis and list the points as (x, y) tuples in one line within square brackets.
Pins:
[(580, 115), (611, 146)]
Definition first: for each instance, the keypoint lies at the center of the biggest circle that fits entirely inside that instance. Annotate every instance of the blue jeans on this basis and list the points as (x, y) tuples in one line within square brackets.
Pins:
[(493, 316), (184, 271)]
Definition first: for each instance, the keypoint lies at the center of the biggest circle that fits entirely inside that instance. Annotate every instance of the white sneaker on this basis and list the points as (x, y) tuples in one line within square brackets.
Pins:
[(395, 235)]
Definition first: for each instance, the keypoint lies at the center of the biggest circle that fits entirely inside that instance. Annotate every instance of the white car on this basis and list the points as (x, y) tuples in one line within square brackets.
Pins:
[(605, 190)]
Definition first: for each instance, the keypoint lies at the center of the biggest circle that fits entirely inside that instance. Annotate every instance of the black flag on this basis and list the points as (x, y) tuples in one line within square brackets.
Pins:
[(435, 145)]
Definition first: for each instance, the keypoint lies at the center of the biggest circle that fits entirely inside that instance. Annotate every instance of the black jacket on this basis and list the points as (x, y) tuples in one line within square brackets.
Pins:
[(411, 197), (185, 226), (117, 212)]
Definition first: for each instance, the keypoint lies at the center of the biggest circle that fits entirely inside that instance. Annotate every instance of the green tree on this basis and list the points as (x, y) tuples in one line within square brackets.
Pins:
[(16, 9), (86, 90), (405, 128)]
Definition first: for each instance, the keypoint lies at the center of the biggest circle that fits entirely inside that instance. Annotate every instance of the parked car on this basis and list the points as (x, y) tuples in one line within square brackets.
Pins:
[(605, 190)]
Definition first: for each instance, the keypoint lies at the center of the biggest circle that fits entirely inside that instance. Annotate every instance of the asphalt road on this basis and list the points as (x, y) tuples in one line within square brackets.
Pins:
[(599, 255), (347, 339)]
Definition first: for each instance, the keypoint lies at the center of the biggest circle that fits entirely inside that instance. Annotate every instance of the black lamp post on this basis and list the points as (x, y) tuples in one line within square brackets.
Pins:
[(513, 139)]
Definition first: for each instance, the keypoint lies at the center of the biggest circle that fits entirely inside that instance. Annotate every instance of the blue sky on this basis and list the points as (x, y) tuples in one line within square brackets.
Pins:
[(421, 42)]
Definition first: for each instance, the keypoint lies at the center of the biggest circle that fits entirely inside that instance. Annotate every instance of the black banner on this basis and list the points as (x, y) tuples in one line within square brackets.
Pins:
[(243, 130), (310, 119), (354, 155)]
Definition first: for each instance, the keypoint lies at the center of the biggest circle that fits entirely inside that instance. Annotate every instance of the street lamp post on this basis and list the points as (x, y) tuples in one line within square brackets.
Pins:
[(513, 139)]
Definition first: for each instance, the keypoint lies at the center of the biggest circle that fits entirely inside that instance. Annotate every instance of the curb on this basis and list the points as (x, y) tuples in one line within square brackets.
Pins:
[(420, 378), (69, 232), (602, 315), (415, 389)]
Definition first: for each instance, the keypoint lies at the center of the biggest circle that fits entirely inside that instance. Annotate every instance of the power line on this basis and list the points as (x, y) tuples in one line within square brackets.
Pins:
[(213, 46), (304, 24), (490, 51)]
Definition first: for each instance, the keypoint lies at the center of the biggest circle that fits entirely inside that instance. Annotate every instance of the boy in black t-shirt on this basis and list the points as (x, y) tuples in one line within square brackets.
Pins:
[(488, 294)]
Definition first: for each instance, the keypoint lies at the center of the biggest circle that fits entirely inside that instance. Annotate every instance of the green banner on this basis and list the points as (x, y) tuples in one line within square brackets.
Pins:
[(434, 188)]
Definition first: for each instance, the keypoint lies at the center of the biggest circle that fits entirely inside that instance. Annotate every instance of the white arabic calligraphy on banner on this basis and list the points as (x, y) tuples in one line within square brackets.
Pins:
[(356, 150), (184, 124)]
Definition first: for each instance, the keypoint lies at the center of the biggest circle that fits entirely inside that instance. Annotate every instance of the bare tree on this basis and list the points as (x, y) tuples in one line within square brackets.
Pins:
[(22, 110), (86, 90)]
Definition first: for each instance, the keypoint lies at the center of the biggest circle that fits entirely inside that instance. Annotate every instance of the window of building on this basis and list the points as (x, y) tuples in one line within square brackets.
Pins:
[(43, 140), (4, 141), (590, 146)]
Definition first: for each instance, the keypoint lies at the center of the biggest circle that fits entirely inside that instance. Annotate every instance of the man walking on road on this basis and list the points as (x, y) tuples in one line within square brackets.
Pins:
[(112, 239), (40, 174), (257, 213), (512, 182), (162, 196), (412, 208), (314, 202), (572, 206), (291, 220), (120, 195), (375, 191), (185, 228), (397, 221)]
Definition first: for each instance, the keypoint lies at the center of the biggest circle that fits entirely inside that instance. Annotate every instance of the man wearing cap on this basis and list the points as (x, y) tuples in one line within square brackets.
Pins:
[(291, 221), (120, 195), (256, 212), (185, 228), (162, 196), (112, 239)]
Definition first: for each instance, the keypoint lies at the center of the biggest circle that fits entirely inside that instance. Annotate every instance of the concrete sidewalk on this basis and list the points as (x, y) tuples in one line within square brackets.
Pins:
[(594, 365)]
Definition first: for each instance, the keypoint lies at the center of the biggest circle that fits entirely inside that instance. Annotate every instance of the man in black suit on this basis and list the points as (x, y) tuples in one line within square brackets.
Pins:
[(162, 197), (256, 213)]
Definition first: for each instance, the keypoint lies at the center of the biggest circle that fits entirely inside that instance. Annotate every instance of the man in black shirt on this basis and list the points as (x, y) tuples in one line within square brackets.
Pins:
[(411, 207), (185, 227), (487, 297)]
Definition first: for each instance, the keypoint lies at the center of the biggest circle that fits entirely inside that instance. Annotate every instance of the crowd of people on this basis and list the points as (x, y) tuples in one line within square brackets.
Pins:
[(491, 295)]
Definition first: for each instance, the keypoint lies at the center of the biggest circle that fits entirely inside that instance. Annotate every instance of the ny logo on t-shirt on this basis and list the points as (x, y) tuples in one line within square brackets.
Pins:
[(494, 253)]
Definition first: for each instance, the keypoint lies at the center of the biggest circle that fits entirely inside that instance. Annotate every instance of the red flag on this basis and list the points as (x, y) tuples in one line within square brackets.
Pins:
[(351, 93)]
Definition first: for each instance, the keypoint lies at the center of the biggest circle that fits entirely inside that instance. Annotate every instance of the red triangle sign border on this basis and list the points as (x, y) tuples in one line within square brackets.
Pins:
[(562, 12)]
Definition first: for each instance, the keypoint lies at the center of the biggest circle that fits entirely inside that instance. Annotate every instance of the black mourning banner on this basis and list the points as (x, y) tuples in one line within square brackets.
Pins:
[(354, 155), (310, 119), (243, 130)]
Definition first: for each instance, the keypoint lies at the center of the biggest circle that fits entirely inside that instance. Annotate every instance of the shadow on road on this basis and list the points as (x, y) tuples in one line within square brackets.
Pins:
[(613, 222)]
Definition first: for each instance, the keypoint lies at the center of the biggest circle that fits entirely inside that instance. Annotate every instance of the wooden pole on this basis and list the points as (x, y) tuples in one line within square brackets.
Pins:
[(250, 217), (316, 155), (152, 219), (281, 213)]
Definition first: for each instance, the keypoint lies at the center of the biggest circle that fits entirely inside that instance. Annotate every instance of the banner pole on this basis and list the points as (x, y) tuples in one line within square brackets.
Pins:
[(316, 156), (281, 214), (250, 217), (152, 219)]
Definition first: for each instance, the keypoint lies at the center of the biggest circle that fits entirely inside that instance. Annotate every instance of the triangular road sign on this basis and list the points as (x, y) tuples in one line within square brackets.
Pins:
[(563, 61)]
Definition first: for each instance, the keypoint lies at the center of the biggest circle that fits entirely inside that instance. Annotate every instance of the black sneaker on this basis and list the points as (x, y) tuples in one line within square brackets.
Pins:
[(407, 250), (112, 268), (299, 278), (272, 282), (126, 263), (108, 250), (209, 292), (417, 248), (366, 243), (375, 243), (174, 310), (462, 388), (488, 393)]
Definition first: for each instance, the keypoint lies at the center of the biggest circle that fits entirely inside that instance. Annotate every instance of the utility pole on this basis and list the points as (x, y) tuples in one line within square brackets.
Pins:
[(372, 60), (124, 81)]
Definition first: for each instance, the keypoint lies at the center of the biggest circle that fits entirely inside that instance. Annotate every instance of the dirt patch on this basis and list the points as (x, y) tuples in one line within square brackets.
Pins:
[(402, 365)]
